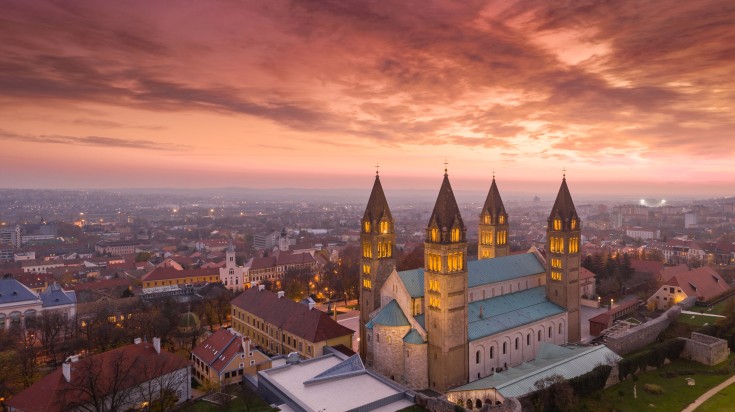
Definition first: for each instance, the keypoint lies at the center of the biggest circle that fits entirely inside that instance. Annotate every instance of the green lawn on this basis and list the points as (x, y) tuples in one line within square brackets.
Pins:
[(697, 320), (246, 401), (721, 401), (677, 394)]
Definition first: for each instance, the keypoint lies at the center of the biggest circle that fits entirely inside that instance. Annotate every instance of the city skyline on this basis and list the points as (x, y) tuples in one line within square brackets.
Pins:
[(631, 98)]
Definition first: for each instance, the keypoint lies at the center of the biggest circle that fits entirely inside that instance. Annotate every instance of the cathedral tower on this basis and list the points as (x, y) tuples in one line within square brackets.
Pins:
[(377, 239), (493, 231), (445, 292), (562, 259)]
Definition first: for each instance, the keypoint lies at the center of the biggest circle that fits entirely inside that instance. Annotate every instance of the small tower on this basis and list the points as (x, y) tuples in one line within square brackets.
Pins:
[(283, 240), (445, 292), (230, 259), (562, 259), (377, 239), (492, 235)]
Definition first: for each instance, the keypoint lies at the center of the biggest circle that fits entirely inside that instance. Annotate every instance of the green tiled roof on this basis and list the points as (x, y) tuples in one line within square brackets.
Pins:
[(482, 272), (421, 320), (391, 315), (568, 362), (509, 311), (413, 336), (413, 280)]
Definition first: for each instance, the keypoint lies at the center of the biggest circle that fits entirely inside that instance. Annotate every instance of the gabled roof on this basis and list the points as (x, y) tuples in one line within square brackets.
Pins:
[(490, 316), (446, 211), (125, 367), (12, 291), (493, 203), (563, 205), (219, 349), (704, 283), (482, 272), (293, 317), (413, 280), (391, 315), (377, 206)]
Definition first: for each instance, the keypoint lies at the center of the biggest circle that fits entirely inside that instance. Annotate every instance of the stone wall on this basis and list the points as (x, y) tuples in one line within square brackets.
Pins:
[(641, 335), (705, 349), (416, 365), (388, 351)]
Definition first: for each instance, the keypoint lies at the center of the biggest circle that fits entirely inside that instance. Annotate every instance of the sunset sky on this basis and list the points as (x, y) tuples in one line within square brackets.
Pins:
[(630, 97)]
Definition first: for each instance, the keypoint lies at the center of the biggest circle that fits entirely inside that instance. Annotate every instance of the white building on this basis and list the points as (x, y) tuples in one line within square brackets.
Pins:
[(232, 276)]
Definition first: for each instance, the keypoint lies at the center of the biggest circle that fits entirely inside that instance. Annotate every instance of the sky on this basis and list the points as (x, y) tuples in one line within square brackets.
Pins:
[(629, 97)]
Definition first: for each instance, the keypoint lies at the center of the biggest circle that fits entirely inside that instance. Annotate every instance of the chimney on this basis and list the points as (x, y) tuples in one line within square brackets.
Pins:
[(157, 344), (137, 341), (281, 294), (261, 288), (66, 370)]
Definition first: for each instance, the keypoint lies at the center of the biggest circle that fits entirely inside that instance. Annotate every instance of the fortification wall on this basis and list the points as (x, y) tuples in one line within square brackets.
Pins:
[(643, 334)]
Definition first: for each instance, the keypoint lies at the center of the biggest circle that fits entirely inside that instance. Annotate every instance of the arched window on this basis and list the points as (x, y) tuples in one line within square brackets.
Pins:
[(477, 357)]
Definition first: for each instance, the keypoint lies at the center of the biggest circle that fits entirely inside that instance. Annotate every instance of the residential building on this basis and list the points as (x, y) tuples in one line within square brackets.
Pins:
[(704, 283), (224, 357), (169, 276), (129, 377), (120, 247), (281, 326)]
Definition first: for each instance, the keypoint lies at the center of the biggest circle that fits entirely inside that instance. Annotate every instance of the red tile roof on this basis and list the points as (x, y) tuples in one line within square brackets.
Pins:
[(295, 318), (167, 273), (703, 283), (138, 363), (218, 349)]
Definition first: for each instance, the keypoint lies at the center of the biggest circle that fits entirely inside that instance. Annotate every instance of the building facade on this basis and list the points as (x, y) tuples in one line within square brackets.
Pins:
[(455, 321)]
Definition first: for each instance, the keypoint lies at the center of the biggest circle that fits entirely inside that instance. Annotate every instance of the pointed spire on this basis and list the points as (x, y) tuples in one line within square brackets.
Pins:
[(446, 211), (377, 206), (493, 202), (564, 206)]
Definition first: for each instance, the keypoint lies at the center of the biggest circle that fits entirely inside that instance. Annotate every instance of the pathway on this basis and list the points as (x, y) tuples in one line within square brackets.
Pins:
[(710, 393)]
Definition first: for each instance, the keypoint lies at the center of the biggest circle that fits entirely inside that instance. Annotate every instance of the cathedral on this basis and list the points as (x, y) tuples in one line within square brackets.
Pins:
[(455, 321)]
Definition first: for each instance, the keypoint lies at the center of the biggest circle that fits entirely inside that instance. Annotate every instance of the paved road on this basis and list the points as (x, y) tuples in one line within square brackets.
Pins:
[(710, 393)]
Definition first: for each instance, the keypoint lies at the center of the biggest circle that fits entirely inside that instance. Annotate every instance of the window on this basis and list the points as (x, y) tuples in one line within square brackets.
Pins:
[(456, 235), (384, 226)]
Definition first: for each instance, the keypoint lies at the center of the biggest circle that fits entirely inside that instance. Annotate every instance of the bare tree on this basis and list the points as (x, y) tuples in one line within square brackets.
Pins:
[(101, 383)]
